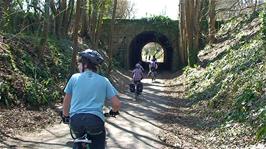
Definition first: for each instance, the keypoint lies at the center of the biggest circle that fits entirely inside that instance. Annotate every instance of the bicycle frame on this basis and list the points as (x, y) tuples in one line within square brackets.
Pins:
[(153, 75), (137, 92), (84, 141)]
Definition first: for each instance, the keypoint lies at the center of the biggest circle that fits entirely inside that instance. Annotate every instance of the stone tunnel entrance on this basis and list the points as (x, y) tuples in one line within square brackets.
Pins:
[(144, 38)]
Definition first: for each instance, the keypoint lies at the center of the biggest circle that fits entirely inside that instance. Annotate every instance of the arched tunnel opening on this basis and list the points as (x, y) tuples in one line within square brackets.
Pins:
[(137, 44)]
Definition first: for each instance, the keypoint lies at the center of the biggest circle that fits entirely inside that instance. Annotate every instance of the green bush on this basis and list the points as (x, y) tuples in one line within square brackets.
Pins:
[(235, 83), (39, 78)]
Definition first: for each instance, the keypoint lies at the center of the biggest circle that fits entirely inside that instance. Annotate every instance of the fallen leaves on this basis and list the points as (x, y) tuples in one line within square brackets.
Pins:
[(20, 120)]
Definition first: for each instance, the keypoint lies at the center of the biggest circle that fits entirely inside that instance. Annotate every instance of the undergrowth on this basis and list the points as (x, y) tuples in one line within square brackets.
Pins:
[(234, 85), (30, 79)]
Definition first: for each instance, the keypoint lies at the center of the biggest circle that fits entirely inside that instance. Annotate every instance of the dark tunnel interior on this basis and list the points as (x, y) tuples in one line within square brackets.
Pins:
[(146, 37)]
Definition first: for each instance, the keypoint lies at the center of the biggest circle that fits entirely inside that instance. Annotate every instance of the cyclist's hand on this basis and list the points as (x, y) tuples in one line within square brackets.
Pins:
[(65, 119), (113, 114)]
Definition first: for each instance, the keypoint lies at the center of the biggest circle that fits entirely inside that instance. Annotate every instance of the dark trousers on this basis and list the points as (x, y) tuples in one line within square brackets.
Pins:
[(92, 125), (136, 82)]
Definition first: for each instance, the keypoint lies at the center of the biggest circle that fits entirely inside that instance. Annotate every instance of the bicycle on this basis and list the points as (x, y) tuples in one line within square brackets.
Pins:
[(84, 141), (153, 76), (136, 88), (153, 67)]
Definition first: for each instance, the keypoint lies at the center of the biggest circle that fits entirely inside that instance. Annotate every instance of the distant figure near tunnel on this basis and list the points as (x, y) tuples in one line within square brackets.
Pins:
[(158, 46), (137, 34)]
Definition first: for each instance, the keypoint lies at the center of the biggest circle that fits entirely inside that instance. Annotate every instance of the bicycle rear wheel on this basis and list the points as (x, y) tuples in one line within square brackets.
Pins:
[(153, 76), (81, 145), (73, 136), (136, 95)]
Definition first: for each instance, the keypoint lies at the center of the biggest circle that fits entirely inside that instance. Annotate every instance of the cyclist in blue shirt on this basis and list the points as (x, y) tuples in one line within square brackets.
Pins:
[(85, 94)]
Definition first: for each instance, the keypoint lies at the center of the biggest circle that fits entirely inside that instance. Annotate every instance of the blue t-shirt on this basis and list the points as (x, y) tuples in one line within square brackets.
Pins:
[(89, 90)]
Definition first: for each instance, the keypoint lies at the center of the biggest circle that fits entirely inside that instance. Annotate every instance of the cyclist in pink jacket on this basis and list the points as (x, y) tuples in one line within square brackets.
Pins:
[(137, 73)]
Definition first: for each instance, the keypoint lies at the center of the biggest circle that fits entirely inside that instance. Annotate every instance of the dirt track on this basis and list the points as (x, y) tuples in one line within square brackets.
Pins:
[(135, 127)]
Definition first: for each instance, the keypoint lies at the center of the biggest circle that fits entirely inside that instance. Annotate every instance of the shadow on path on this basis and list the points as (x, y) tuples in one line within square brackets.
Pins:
[(30, 143)]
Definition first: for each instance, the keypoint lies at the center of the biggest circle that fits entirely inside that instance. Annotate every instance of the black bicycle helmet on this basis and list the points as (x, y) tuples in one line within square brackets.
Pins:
[(93, 56)]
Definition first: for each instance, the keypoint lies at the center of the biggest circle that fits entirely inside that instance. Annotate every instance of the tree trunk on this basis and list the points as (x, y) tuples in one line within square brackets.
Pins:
[(58, 16), (69, 14), (84, 25), (182, 32), (64, 9), (55, 13), (61, 12), (99, 24), (110, 41), (75, 36), (212, 20), (196, 31), (189, 32), (93, 22), (45, 28), (46, 20), (190, 12), (197, 9), (204, 20)]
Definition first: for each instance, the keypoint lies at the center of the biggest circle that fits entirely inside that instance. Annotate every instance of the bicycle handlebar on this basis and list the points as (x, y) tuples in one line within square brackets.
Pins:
[(111, 113), (65, 119)]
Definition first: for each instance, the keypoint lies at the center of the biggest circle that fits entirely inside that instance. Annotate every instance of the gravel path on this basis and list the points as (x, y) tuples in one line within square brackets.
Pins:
[(135, 127)]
